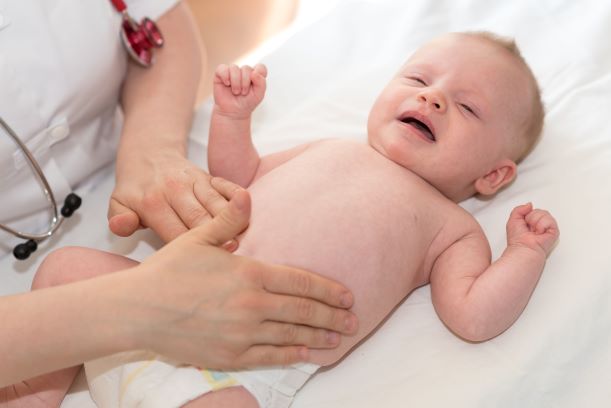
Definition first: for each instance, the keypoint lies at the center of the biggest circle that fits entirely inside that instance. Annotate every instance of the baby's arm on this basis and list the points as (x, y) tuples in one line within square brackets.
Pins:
[(478, 300), (231, 153), (237, 92)]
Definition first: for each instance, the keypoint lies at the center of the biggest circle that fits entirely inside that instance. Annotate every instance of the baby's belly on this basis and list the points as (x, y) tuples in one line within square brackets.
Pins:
[(349, 215)]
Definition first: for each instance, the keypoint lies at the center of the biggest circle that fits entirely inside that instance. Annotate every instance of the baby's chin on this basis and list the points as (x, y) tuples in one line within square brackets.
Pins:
[(376, 147)]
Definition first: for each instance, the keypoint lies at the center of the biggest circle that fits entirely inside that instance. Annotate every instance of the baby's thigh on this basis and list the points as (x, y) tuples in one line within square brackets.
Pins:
[(71, 264), (231, 397)]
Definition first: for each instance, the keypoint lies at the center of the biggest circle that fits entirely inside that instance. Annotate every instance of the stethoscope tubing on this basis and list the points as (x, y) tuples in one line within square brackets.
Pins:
[(48, 192), (145, 37)]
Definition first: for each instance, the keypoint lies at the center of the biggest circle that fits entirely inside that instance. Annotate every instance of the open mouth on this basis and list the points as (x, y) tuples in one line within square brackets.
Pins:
[(420, 126)]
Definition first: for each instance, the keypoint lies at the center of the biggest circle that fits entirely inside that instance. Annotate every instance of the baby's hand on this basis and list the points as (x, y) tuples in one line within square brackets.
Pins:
[(238, 90), (532, 228)]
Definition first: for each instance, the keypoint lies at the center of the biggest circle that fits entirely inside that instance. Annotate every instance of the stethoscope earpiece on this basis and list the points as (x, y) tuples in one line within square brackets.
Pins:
[(24, 250), (71, 204)]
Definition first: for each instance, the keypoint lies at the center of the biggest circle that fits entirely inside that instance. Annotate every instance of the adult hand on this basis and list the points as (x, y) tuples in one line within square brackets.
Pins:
[(163, 191), (232, 311), (156, 186)]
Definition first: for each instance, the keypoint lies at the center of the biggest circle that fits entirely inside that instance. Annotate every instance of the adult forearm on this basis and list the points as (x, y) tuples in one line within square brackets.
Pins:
[(158, 101), (49, 329), (231, 153)]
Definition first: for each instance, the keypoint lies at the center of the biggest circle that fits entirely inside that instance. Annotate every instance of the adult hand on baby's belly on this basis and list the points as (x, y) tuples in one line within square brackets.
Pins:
[(245, 312), (342, 210)]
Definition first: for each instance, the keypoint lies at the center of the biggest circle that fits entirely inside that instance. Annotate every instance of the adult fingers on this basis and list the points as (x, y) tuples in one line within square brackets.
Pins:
[(224, 187), (292, 281), (303, 311), (159, 216), (283, 334), (231, 246), (122, 220), (215, 193), (228, 224), (188, 207)]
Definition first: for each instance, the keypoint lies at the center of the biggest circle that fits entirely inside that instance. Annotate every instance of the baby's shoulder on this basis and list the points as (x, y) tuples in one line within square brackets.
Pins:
[(458, 222)]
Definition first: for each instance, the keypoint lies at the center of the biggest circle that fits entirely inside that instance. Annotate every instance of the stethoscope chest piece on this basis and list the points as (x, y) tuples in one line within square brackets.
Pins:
[(139, 39)]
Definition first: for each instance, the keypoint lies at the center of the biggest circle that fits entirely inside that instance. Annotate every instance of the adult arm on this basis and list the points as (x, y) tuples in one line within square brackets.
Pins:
[(191, 301), (156, 186)]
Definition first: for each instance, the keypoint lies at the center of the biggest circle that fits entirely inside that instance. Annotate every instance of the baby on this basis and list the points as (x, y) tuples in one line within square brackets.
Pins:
[(382, 216)]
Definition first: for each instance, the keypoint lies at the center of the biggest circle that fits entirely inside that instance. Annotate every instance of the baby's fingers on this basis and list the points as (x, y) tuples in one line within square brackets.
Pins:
[(516, 223), (536, 220), (261, 69), (520, 211), (258, 80), (546, 224), (221, 75), (235, 77), (246, 73)]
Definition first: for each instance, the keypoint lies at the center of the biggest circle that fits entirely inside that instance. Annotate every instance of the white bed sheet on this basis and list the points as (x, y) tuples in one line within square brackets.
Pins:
[(323, 79)]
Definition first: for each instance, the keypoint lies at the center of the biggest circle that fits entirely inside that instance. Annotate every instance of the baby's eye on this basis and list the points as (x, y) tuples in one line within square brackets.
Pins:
[(468, 109), (416, 79)]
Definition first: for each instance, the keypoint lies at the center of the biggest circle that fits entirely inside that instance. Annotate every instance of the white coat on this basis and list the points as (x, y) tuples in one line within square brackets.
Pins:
[(61, 69)]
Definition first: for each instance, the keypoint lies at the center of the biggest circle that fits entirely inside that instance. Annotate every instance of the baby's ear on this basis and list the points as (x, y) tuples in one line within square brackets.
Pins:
[(493, 181)]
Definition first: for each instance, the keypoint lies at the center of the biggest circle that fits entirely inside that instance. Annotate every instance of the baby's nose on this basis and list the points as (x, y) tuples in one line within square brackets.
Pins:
[(434, 99)]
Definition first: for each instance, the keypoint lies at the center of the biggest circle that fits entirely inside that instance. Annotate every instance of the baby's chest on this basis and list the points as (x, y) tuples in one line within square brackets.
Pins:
[(338, 211)]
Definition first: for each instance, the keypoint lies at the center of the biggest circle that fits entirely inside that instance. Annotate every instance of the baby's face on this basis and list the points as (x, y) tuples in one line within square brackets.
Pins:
[(450, 112)]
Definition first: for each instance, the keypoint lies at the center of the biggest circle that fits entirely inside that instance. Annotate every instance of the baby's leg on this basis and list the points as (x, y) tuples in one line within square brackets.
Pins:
[(60, 267)]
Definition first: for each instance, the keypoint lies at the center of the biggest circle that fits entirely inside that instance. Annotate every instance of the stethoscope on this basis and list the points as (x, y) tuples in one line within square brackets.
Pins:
[(139, 41), (71, 203)]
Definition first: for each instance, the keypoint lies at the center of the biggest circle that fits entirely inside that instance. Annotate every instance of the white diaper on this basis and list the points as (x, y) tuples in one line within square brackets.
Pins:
[(145, 380)]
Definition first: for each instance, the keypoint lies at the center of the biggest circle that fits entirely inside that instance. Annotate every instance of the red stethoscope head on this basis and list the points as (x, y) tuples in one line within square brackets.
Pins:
[(139, 39)]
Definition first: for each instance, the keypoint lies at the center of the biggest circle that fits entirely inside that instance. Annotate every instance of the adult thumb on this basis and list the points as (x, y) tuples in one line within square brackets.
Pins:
[(229, 223), (122, 221)]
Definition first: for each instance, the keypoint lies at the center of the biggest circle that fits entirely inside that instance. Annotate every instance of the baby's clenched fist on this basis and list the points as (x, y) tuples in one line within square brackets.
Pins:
[(238, 90), (532, 228)]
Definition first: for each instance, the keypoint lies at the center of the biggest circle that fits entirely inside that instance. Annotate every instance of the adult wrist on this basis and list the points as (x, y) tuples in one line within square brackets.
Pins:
[(151, 143), (136, 307), (112, 312)]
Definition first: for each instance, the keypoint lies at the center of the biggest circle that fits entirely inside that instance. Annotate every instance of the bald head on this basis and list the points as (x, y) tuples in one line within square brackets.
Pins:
[(530, 111)]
